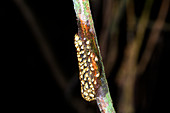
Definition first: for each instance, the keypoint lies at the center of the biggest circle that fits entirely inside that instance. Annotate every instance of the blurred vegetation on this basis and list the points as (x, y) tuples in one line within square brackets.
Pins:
[(134, 38)]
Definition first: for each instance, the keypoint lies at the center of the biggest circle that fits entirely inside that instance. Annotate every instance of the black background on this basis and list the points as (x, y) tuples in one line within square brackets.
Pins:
[(34, 88)]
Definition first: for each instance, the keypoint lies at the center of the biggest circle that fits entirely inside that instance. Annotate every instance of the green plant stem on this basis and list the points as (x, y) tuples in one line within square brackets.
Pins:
[(84, 19)]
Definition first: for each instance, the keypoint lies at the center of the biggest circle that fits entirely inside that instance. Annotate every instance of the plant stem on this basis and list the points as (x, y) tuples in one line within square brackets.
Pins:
[(86, 29)]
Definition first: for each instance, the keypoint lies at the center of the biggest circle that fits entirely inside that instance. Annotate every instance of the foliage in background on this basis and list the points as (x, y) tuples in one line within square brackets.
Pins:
[(126, 52)]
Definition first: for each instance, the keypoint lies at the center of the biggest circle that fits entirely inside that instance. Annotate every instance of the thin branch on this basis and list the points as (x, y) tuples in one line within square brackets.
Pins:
[(165, 28), (44, 46), (142, 25), (112, 14), (86, 31), (127, 74), (154, 36), (107, 17), (131, 20)]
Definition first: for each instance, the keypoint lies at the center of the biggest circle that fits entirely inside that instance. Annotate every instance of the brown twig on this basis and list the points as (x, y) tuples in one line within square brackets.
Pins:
[(154, 36), (107, 14), (112, 13), (41, 40), (127, 74), (131, 21), (165, 28), (109, 9)]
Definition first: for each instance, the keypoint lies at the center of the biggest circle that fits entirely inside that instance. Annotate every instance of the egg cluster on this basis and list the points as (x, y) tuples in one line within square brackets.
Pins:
[(88, 69)]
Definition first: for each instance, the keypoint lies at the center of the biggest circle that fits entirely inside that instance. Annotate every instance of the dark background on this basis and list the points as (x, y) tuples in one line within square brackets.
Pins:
[(35, 87)]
